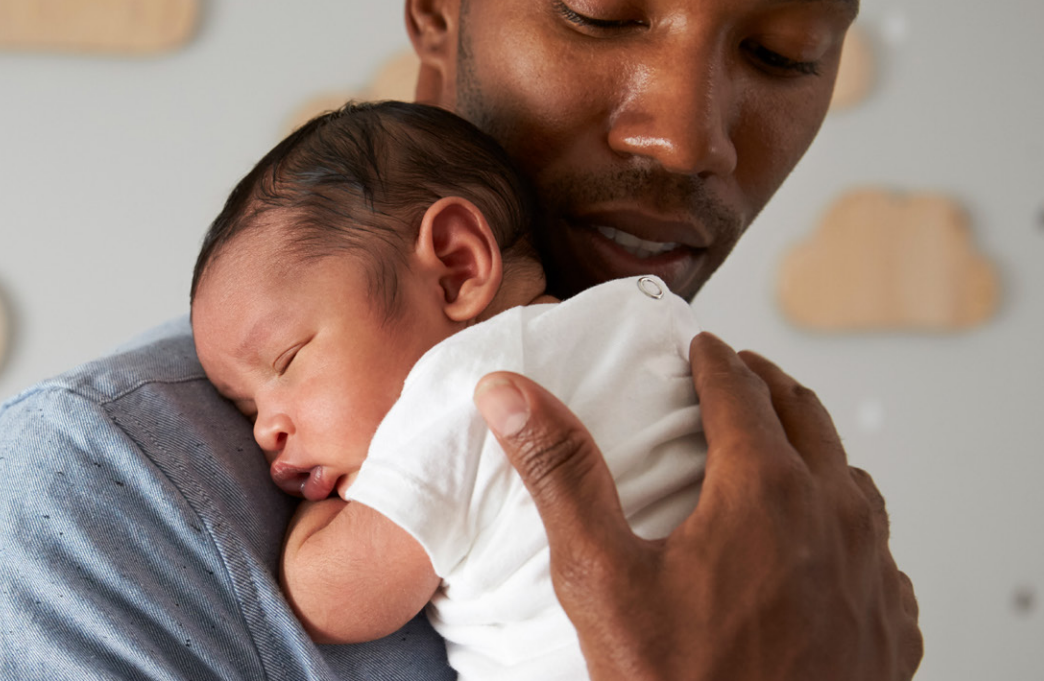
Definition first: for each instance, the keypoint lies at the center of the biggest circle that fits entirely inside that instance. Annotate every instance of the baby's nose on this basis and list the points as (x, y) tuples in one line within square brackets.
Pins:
[(271, 433)]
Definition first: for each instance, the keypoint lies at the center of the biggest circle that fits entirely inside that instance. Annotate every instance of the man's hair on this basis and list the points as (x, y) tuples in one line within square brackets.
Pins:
[(360, 179)]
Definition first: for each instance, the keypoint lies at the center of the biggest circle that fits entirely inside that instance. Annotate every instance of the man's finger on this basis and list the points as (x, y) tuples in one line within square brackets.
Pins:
[(804, 418), (558, 461), (734, 401), (873, 497), (909, 599), (736, 406)]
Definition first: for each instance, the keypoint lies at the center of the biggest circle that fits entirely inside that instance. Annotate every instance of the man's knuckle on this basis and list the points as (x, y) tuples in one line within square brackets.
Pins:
[(802, 395), (785, 484), (758, 385), (541, 455), (907, 583), (861, 477), (741, 382), (907, 595), (587, 567), (872, 497), (911, 651), (790, 478)]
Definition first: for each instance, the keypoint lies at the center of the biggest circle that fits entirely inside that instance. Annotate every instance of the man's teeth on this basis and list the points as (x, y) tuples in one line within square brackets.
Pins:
[(635, 246)]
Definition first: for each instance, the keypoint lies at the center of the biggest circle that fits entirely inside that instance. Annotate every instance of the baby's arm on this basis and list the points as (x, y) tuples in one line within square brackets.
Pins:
[(352, 575)]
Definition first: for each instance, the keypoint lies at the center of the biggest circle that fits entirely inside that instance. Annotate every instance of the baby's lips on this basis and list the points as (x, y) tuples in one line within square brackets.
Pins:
[(289, 478), (318, 485)]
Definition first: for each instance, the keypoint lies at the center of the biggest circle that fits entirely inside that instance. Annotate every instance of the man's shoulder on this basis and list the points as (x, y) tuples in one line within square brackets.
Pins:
[(141, 534), (161, 356), (147, 406)]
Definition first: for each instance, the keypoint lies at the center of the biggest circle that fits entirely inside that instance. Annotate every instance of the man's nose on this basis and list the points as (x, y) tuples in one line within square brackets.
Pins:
[(678, 109)]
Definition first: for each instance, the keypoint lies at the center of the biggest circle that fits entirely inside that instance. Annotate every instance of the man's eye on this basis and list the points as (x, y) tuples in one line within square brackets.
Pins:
[(583, 21), (777, 63)]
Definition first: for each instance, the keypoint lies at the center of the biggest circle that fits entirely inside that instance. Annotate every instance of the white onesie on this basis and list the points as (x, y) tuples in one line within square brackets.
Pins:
[(617, 355)]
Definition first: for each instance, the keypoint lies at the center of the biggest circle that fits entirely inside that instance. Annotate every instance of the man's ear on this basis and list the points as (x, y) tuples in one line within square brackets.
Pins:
[(456, 249), (432, 26)]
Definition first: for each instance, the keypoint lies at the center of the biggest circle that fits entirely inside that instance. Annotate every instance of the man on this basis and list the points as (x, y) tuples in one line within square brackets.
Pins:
[(656, 131), (141, 532)]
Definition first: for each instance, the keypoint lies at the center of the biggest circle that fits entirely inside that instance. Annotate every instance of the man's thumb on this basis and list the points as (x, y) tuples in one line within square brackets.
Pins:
[(558, 461)]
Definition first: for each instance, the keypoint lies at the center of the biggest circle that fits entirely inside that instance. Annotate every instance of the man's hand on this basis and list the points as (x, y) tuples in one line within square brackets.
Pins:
[(782, 571)]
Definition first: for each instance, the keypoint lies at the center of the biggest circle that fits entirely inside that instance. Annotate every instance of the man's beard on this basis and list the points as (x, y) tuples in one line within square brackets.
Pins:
[(654, 189)]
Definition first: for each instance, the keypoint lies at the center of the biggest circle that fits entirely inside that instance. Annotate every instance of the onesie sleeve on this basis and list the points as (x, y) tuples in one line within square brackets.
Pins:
[(433, 467)]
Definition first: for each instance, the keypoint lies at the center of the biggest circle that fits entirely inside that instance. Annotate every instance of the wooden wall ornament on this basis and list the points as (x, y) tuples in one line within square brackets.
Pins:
[(124, 27), (887, 261), (395, 79), (5, 331), (856, 72)]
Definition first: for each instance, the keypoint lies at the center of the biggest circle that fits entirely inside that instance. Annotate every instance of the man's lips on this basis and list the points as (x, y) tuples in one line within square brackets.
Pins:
[(630, 228), (637, 247), (613, 245)]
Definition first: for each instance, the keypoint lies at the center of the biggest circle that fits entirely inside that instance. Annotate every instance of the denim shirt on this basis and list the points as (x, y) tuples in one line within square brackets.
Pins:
[(140, 536)]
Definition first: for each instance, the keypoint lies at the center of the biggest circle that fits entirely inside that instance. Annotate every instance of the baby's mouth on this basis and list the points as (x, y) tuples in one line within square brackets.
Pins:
[(318, 485)]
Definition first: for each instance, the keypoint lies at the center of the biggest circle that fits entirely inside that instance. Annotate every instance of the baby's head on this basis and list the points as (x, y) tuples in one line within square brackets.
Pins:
[(354, 246)]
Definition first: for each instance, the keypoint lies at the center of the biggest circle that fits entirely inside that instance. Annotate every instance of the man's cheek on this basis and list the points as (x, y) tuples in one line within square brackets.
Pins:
[(769, 144)]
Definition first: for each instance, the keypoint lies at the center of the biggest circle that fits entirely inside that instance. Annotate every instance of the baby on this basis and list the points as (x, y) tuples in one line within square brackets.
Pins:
[(359, 282)]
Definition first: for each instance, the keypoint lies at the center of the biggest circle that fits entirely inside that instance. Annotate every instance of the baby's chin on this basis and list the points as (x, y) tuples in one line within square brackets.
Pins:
[(344, 483)]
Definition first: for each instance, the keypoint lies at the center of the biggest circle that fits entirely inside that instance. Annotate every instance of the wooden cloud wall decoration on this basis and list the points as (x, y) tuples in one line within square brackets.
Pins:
[(886, 261), (5, 330), (124, 27), (856, 72)]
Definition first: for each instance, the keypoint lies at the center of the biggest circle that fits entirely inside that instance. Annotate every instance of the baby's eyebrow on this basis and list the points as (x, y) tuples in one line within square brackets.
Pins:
[(254, 337)]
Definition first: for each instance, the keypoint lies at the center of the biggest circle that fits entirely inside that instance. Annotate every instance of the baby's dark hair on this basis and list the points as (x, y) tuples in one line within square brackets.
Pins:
[(360, 179)]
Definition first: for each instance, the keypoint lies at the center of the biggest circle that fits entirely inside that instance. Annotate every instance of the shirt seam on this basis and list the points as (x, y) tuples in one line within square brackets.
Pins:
[(206, 502), (99, 398)]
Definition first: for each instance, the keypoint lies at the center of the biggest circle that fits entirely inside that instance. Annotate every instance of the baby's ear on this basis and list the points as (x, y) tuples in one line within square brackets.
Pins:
[(456, 247)]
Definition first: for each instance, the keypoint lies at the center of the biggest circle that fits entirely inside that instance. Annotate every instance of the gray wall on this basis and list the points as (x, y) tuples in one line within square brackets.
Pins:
[(110, 170)]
